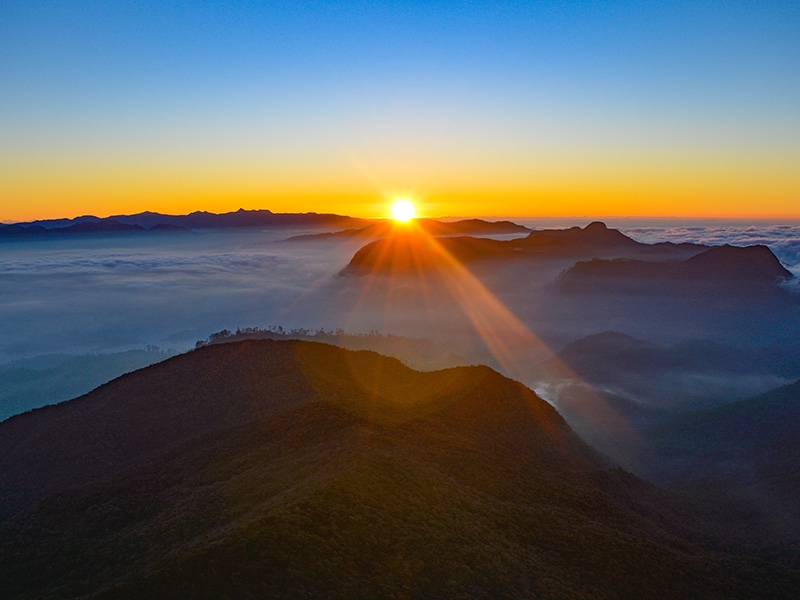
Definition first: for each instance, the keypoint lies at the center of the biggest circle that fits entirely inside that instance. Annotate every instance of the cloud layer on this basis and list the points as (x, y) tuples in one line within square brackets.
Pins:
[(783, 240), (114, 293)]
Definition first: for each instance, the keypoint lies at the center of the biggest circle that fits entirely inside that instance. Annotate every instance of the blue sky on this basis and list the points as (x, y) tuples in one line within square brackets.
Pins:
[(446, 98)]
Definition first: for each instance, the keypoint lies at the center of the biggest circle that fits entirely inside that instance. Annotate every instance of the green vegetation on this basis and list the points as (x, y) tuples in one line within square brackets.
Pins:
[(293, 469), (417, 353)]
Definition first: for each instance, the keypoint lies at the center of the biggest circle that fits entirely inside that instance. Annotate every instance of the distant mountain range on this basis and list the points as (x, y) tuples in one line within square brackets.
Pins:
[(288, 469), (745, 450), (354, 228), (431, 227), (672, 377), (606, 258), (749, 265), (151, 221), (594, 258), (415, 251)]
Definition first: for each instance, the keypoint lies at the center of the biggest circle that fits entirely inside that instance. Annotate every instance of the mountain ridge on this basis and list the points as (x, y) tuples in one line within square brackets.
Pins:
[(295, 468), (754, 265), (432, 227), (414, 251), (152, 221)]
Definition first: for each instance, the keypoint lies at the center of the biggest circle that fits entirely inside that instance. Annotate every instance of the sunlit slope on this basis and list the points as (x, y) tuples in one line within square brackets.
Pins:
[(287, 469)]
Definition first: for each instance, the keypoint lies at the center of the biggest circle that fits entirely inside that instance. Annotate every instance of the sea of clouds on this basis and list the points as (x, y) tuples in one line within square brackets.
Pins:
[(782, 239), (112, 293)]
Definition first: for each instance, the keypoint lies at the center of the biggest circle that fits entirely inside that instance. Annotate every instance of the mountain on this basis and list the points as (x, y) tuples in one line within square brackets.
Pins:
[(79, 228), (757, 432), (749, 449), (430, 227), (288, 469), (152, 221), (750, 266), (674, 376), (413, 250), (577, 240), (733, 263), (597, 240)]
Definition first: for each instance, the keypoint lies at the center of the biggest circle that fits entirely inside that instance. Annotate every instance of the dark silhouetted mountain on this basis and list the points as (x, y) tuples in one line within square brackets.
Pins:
[(412, 250), (16, 230), (472, 227), (100, 226), (611, 346), (733, 263), (84, 227), (433, 227), (610, 382), (597, 240), (593, 238), (752, 266), (600, 356), (205, 220), (105, 225), (294, 469)]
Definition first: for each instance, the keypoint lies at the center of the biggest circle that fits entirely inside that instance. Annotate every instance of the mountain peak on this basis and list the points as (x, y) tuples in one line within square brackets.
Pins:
[(751, 263), (596, 226), (142, 414), (299, 469)]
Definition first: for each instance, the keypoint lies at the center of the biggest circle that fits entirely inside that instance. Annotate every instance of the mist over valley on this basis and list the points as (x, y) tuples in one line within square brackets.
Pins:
[(400, 300), (675, 360)]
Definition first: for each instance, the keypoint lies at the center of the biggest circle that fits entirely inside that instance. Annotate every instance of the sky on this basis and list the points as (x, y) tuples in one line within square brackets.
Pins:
[(469, 108)]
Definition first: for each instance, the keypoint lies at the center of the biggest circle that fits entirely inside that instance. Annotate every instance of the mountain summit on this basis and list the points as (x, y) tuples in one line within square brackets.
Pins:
[(287, 469)]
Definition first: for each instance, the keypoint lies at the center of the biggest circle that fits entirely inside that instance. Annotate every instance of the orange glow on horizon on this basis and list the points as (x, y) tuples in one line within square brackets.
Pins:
[(50, 204), (746, 185)]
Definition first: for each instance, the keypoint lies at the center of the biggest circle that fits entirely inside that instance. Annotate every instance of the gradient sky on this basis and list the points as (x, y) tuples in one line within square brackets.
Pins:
[(471, 108)]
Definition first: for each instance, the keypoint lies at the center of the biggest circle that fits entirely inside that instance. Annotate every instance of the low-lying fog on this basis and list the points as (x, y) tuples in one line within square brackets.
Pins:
[(105, 294)]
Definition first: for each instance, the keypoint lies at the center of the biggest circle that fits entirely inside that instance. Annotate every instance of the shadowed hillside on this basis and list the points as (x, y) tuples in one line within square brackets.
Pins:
[(751, 268), (749, 448), (693, 373), (288, 469)]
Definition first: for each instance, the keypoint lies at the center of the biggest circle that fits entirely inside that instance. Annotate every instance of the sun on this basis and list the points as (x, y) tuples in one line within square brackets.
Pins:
[(403, 210)]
